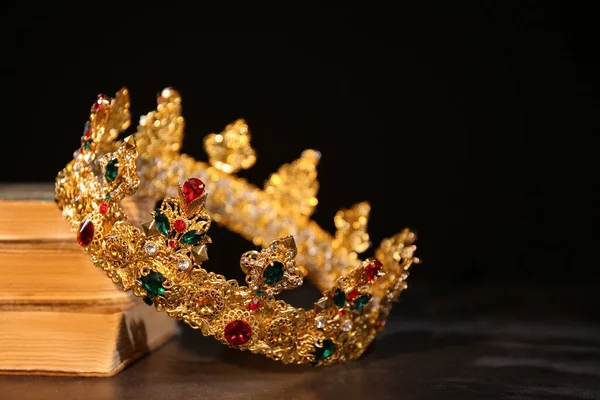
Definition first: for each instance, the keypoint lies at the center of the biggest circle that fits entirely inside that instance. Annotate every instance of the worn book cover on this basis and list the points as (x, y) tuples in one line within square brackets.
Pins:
[(58, 313)]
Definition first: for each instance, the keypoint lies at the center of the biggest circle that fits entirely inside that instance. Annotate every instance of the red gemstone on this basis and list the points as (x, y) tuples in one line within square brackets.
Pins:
[(172, 243), (253, 305), (238, 333), (341, 313), (179, 225), (103, 208), (353, 294), (373, 269), (99, 103), (85, 234), (88, 132), (192, 189)]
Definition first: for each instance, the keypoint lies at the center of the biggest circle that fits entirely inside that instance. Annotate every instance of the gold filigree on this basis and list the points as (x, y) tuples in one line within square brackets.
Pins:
[(273, 269), (294, 186), (230, 150), (351, 227)]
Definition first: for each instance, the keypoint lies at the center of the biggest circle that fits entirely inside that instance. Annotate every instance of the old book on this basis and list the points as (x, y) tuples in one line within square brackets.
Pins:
[(29, 214), (58, 313)]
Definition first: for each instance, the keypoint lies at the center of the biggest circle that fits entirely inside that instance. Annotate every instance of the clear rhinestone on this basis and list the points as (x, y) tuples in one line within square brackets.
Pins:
[(68, 211), (88, 157), (320, 322), (183, 264), (269, 292), (290, 254), (150, 248), (347, 325), (255, 288)]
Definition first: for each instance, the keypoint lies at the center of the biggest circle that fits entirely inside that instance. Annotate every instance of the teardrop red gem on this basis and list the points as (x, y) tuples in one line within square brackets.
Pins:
[(192, 189), (373, 269), (85, 234)]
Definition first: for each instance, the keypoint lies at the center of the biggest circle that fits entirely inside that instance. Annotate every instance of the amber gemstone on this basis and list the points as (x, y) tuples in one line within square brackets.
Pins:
[(192, 189), (238, 333), (114, 251), (207, 305), (282, 334), (85, 234)]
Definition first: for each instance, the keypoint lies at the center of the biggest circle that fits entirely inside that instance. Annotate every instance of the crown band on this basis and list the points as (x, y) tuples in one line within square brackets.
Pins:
[(162, 262)]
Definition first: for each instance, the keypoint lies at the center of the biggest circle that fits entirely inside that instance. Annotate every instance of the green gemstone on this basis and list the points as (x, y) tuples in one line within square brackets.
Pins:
[(361, 301), (153, 283), (339, 298), (326, 351), (112, 170), (191, 237), (273, 273), (86, 144), (162, 223)]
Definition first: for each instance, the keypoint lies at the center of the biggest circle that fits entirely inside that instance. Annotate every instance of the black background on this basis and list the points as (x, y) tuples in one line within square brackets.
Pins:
[(468, 122)]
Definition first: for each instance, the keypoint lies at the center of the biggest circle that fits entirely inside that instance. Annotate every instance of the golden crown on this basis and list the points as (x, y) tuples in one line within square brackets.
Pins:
[(162, 260)]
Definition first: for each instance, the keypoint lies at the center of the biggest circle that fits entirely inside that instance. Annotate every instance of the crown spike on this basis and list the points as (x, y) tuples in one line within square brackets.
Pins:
[(159, 137), (161, 131), (294, 186), (230, 150), (119, 117), (351, 225)]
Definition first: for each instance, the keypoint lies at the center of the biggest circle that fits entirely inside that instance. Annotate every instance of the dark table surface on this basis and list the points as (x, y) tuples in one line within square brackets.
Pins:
[(443, 341)]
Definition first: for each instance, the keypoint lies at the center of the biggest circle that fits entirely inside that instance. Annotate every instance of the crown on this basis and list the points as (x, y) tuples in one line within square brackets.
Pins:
[(163, 260)]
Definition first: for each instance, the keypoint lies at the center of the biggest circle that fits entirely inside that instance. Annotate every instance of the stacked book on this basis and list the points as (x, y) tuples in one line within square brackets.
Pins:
[(60, 315)]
